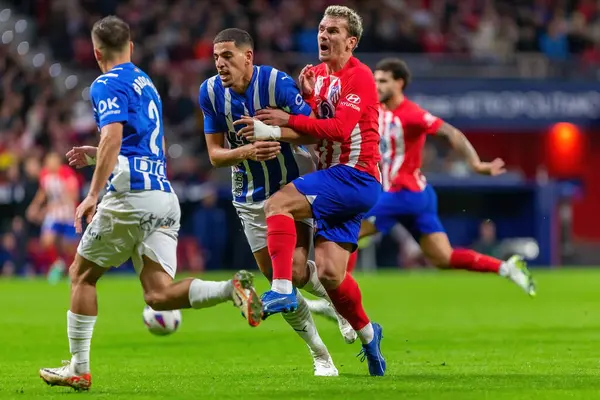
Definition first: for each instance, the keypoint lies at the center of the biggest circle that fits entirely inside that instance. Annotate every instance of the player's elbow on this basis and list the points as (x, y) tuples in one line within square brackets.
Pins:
[(339, 135), (215, 161), (341, 132)]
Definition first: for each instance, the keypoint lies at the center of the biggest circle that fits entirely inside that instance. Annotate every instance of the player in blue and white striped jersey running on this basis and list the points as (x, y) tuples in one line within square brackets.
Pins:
[(261, 168), (139, 216)]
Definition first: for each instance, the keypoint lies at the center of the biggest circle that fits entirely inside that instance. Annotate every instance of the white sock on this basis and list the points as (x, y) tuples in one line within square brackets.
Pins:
[(302, 322), (318, 306), (79, 331), (282, 286), (314, 285), (366, 334), (204, 294), (504, 269)]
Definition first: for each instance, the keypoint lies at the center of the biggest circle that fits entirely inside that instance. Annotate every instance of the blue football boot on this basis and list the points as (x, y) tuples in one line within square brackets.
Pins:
[(274, 303), (372, 352)]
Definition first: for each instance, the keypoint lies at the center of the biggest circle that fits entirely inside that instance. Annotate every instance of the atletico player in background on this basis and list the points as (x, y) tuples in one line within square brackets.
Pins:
[(54, 204), (408, 199)]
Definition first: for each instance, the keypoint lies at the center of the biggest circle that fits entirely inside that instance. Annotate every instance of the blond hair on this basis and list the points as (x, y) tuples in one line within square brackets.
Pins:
[(354, 21)]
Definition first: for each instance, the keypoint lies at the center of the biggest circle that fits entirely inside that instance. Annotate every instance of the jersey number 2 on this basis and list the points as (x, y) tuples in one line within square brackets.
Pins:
[(154, 116)]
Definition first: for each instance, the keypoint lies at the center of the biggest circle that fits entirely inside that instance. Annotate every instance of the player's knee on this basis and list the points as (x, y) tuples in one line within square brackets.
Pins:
[(81, 275), (331, 279), (330, 276), (441, 260), (274, 205), (300, 275), (158, 301), (47, 241), (75, 274)]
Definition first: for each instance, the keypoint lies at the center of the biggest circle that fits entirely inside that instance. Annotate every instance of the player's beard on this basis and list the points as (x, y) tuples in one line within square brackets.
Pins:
[(385, 97)]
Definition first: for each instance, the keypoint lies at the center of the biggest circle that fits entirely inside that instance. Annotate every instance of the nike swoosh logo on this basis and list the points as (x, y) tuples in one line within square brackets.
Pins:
[(268, 303), (301, 330)]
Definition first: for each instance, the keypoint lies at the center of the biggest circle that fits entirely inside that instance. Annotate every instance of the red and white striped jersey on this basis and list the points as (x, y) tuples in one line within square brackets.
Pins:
[(60, 188), (403, 132), (347, 108)]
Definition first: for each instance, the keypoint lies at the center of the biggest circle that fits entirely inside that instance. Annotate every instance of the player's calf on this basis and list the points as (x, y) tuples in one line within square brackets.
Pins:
[(331, 259), (348, 301), (352, 262), (325, 307), (159, 301)]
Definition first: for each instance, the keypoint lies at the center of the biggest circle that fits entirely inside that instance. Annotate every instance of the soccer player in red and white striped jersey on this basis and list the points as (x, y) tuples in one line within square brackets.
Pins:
[(343, 97), (55, 204), (408, 199), (346, 101)]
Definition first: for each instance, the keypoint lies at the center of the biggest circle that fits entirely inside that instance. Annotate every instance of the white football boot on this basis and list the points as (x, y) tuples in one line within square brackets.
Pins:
[(325, 309), (516, 270), (66, 376), (323, 365)]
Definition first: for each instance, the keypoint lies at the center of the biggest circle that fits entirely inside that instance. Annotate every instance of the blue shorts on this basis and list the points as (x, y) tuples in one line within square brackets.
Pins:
[(417, 211), (61, 229), (339, 196)]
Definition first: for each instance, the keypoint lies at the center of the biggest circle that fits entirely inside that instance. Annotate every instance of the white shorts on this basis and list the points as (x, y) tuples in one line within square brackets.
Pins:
[(131, 225), (252, 215)]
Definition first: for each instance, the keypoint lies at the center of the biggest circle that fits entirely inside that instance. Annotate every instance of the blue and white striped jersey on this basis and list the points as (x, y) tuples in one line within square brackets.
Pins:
[(253, 181), (126, 95)]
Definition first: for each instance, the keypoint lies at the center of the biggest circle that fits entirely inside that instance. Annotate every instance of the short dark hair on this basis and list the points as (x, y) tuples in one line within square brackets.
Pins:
[(397, 67), (111, 33), (239, 37)]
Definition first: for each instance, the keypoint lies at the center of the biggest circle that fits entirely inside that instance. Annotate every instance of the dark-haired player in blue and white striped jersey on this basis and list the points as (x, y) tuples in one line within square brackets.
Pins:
[(261, 168), (139, 216)]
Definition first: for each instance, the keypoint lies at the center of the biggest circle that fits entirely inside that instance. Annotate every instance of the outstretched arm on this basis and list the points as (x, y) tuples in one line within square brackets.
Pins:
[(291, 136), (461, 144)]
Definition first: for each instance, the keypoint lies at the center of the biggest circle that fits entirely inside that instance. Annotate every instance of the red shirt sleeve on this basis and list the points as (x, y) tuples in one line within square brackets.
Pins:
[(358, 92), (428, 123)]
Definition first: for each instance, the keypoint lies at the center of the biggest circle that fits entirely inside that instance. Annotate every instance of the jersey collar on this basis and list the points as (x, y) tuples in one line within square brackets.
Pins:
[(352, 61), (254, 75), (127, 65)]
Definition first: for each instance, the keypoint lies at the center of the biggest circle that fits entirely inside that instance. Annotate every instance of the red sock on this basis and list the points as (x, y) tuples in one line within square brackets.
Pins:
[(473, 261), (348, 302), (352, 262), (281, 240), (52, 254)]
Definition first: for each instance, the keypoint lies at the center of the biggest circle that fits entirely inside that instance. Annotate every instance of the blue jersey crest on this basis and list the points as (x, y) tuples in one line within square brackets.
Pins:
[(253, 181), (126, 95)]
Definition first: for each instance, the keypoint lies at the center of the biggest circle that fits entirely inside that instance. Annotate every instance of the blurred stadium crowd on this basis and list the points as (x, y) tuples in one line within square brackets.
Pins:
[(174, 45)]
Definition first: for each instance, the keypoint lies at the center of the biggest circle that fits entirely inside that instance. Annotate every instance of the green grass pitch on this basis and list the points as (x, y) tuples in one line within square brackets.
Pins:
[(448, 335)]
